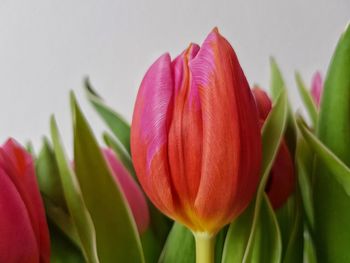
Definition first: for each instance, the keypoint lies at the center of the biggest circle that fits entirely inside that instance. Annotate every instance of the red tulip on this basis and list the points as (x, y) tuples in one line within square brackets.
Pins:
[(282, 179), (317, 87), (131, 190), (24, 235), (195, 137)]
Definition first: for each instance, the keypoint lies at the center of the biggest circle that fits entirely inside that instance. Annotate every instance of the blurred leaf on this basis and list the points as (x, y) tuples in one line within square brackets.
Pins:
[(30, 148), (116, 231), (62, 220), (294, 243), (307, 99), (151, 246), (332, 208), (62, 250), (277, 87), (309, 250), (159, 224), (220, 243), (75, 202), (304, 165), (48, 175), (244, 237), (117, 124), (179, 247)]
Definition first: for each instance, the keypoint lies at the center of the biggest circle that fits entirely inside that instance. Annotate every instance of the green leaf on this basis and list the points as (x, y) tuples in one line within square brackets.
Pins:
[(293, 243), (307, 99), (179, 247), (304, 166), (220, 243), (309, 249), (75, 203), (62, 220), (151, 246), (339, 170), (332, 208), (30, 148), (237, 236), (277, 87), (243, 233), (267, 245), (117, 124), (120, 151), (48, 175), (116, 231), (62, 250)]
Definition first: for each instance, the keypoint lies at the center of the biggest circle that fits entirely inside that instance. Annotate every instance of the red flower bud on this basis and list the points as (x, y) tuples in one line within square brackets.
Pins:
[(281, 182), (195, 137), (23, 228)]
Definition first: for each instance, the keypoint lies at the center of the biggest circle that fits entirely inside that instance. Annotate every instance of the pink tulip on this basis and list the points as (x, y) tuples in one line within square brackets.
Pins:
[(24, 235), (317, 88), (195, 137), (131, 190)]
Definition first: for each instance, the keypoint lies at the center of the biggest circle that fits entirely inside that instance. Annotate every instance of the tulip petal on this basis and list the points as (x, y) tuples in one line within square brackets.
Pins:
[(18, 164), (230, 119), (149, 131), (185, 133), (18, 240)]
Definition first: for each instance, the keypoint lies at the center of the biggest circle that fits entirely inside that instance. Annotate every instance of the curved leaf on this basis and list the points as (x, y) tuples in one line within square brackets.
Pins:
[(116, 232), (294, 243), (237, 236), (307, 99), (151, 246), (304, 165), (48, 175), (339, 170), (75, 203), (267, 246), (114, 121), (179, 247), (278, 86), (62, 221), (62, 250)]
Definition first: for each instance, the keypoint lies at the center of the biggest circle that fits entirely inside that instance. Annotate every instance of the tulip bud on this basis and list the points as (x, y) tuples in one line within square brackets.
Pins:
[(131, 190), (195, 138), (23, 227), (317, 88), (281, 181)]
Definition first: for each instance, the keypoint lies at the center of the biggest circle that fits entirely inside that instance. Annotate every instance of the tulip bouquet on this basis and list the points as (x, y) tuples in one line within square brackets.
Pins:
[(210, 170)]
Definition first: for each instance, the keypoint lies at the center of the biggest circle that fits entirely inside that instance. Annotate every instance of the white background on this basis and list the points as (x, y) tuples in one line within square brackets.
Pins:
[(47, 47)]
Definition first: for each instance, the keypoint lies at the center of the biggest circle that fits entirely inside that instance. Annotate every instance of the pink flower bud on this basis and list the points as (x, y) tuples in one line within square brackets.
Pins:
[(23, 227)]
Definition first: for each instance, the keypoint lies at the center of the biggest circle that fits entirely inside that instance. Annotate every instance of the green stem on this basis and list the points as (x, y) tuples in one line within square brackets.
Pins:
[(205, 245)]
